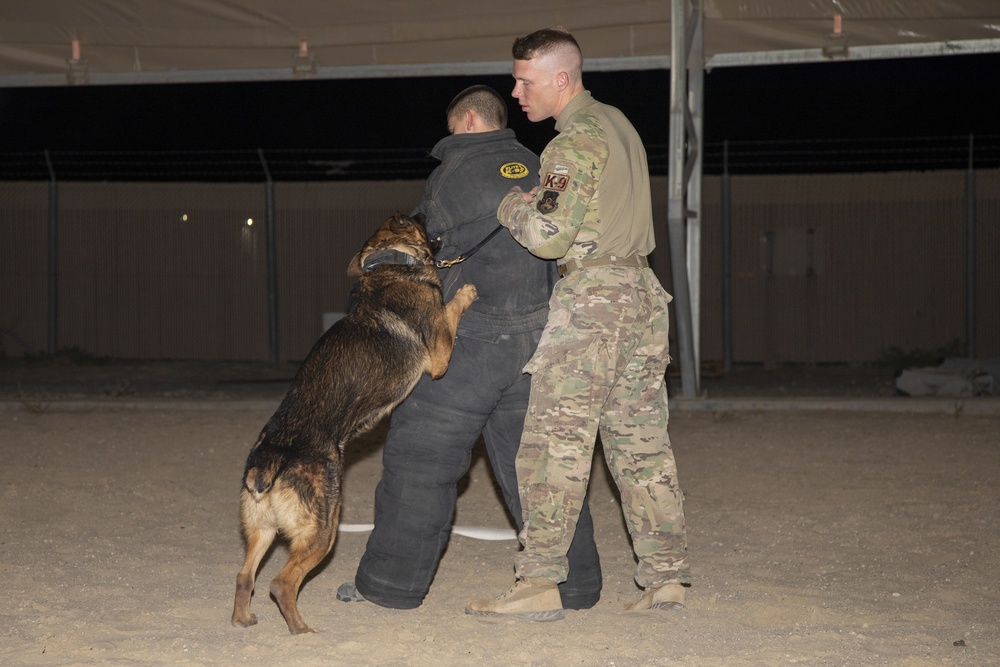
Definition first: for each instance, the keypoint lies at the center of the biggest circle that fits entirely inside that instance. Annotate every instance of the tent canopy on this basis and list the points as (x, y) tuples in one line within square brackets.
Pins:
[(53, 42)]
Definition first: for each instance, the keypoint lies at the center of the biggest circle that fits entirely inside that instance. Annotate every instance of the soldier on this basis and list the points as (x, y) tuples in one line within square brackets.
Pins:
[(431, 435), (601, 362)]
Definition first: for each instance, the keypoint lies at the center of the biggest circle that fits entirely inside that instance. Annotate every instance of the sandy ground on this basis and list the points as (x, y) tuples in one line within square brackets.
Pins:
[(816, 537)]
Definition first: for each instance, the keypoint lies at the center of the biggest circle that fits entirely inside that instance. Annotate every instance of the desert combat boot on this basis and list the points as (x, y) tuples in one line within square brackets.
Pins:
[(667, 598), (533, 599)]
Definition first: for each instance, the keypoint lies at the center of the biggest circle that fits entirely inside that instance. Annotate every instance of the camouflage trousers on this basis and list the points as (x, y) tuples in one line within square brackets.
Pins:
[(600, 367)]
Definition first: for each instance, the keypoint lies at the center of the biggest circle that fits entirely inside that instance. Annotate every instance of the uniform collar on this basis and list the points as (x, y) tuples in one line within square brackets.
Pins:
[(461, 141), (575, 105)]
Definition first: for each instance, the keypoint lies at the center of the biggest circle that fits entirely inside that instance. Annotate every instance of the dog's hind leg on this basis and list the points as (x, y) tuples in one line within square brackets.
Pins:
[(258, 541), (306, 552)]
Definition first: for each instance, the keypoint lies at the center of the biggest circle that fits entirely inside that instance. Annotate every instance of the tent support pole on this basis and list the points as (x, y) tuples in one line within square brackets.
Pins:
[(685, 158)]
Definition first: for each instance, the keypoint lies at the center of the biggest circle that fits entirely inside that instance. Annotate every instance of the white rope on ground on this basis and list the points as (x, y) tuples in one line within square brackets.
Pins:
[(475, 532)]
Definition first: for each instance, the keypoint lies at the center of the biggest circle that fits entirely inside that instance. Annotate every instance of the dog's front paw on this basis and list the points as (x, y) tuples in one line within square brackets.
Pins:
[(467, 294), (244, 620)]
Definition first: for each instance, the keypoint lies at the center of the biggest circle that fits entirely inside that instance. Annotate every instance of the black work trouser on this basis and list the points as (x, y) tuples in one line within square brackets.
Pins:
[(429, 449)]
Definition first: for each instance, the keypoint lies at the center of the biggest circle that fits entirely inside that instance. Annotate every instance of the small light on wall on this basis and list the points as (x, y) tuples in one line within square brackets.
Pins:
[(303, 63), (77, 67), (184, 217), (836, 43), (249, 222)]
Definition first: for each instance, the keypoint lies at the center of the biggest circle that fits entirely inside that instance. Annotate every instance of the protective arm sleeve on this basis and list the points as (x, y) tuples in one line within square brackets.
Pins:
[(548, 226)]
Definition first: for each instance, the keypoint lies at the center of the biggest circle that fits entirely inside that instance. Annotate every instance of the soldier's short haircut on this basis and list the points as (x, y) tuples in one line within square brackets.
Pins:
[(543, 41), (484, 101)]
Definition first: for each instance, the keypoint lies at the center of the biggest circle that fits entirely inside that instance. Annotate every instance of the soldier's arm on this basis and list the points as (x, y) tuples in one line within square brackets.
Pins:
[(570, 170)]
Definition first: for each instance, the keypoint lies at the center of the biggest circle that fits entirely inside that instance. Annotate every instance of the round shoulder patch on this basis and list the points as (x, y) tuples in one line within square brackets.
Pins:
[(513, 170)]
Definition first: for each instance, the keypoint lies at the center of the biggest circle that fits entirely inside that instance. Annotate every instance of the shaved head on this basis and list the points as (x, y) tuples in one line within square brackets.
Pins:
[(554, 49)]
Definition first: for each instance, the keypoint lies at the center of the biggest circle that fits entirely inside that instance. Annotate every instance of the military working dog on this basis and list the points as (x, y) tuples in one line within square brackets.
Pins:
[(356, 373)]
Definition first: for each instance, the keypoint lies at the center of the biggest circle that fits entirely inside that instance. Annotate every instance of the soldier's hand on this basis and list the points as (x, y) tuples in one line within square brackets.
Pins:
[(527, 197)]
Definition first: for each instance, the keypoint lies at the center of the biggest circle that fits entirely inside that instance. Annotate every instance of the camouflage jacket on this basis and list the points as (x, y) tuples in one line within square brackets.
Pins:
[(594, 196)]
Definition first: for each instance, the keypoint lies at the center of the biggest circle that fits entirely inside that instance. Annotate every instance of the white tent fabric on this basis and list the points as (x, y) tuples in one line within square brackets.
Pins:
[(54, 42)]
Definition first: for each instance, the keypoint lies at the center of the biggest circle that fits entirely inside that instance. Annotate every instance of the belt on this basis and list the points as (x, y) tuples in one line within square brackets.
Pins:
[(638, 261)]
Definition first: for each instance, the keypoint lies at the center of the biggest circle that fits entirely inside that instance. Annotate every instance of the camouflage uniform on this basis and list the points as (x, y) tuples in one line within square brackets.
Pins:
[(600, 364)]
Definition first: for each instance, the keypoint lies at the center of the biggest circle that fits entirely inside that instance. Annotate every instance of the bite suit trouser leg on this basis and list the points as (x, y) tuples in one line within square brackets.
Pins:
[(429, 449)]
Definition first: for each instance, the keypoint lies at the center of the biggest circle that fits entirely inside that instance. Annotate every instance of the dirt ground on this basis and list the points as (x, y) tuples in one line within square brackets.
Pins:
[(817, 537)]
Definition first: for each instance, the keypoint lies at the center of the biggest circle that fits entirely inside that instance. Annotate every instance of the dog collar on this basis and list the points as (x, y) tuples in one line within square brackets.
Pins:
[(389, 256)]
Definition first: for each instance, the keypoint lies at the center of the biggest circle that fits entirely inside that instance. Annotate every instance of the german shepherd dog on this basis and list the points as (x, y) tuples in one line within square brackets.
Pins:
[(356, 373)]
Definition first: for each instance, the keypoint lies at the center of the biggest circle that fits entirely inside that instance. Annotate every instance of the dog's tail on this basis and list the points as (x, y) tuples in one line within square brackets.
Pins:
[(264, 465), (258, 482)]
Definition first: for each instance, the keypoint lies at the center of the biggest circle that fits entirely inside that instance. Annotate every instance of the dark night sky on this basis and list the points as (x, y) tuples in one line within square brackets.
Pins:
[(911, 98)]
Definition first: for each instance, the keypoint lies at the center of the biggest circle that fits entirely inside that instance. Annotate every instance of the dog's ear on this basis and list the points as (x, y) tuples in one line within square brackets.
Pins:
[(400, 221), (354, 268), (420, 219)]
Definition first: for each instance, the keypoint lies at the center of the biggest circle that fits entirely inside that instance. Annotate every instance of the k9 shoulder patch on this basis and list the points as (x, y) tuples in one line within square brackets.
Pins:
[(553, 180), (513, 170)]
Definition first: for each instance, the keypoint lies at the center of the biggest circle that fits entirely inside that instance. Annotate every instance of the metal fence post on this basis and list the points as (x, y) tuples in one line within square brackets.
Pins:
[(727, 263), (53, 255), (970, 255), (272, 261)]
